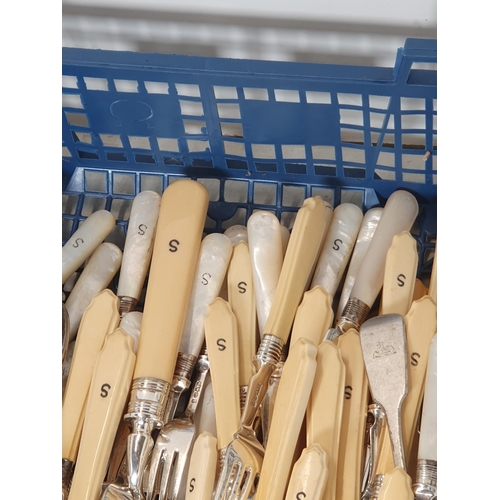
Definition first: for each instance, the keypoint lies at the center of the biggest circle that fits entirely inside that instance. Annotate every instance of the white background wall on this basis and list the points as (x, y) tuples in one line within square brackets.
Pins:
[(355, 32)]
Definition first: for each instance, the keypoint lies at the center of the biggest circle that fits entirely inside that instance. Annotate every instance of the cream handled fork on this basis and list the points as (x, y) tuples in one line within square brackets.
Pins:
[(202, 468), (291, 403), (176, 248), (89, 235), (99, 319), (309, 475), (242, 465), (222, 345), (107, 396), (242, 301)]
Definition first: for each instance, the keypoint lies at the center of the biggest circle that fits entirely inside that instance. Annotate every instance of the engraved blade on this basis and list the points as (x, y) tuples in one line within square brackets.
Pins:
[(383, 341)]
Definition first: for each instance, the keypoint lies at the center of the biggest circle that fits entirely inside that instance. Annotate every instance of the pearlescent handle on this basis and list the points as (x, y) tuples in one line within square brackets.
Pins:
[(399, 214), (266, 255), (213, 261), (427, 447), (138, 244), (89, 235), (96, 276), (337, 247), (365, 235)]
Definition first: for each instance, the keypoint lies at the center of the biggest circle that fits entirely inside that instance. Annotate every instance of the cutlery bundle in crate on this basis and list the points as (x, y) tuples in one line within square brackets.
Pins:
[(201, 354)]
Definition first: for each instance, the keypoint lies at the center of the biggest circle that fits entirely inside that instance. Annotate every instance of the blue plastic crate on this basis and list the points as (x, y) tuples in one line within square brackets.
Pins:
[(258, 134)]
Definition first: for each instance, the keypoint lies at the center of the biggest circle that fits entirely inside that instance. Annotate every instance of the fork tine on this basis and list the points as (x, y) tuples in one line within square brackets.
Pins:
[(154, 466), (166, 473)]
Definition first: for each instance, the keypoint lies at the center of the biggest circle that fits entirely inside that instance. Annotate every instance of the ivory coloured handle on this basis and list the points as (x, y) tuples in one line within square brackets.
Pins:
[(107, 396), (242, 301), (100, 318), (289, 411), (176, 248), (300, 257), (222, 345), (314, 316)]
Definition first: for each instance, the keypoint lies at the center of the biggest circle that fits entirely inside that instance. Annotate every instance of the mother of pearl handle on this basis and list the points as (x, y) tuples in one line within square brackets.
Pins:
[(95, 277), (399, 214), (365, 234), (138, 248), (266, 255), (215, 254), (337, 247), (89, 235)]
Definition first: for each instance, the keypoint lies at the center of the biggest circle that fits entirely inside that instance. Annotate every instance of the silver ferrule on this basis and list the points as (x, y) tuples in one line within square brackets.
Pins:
[(148, 398), (183, 372), (375, 421), (269, 352), (377, 484), (425, 487), (127, 304), (67, 475), (353, 316)]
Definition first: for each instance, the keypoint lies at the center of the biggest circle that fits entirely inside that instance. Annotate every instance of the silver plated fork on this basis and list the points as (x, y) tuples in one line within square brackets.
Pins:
[(169, 459)]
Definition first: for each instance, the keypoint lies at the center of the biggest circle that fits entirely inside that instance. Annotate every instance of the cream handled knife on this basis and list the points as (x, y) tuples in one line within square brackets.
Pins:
[(222, 345), (213, 261), (175, 254), (291, 403), (324, 411), (108, 393), (89, 235), (95, 277), (99, 319), (399, 275), (350, 449), (138, 248), (242, 301), (396, 486), (202, 468), (309, 475)]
